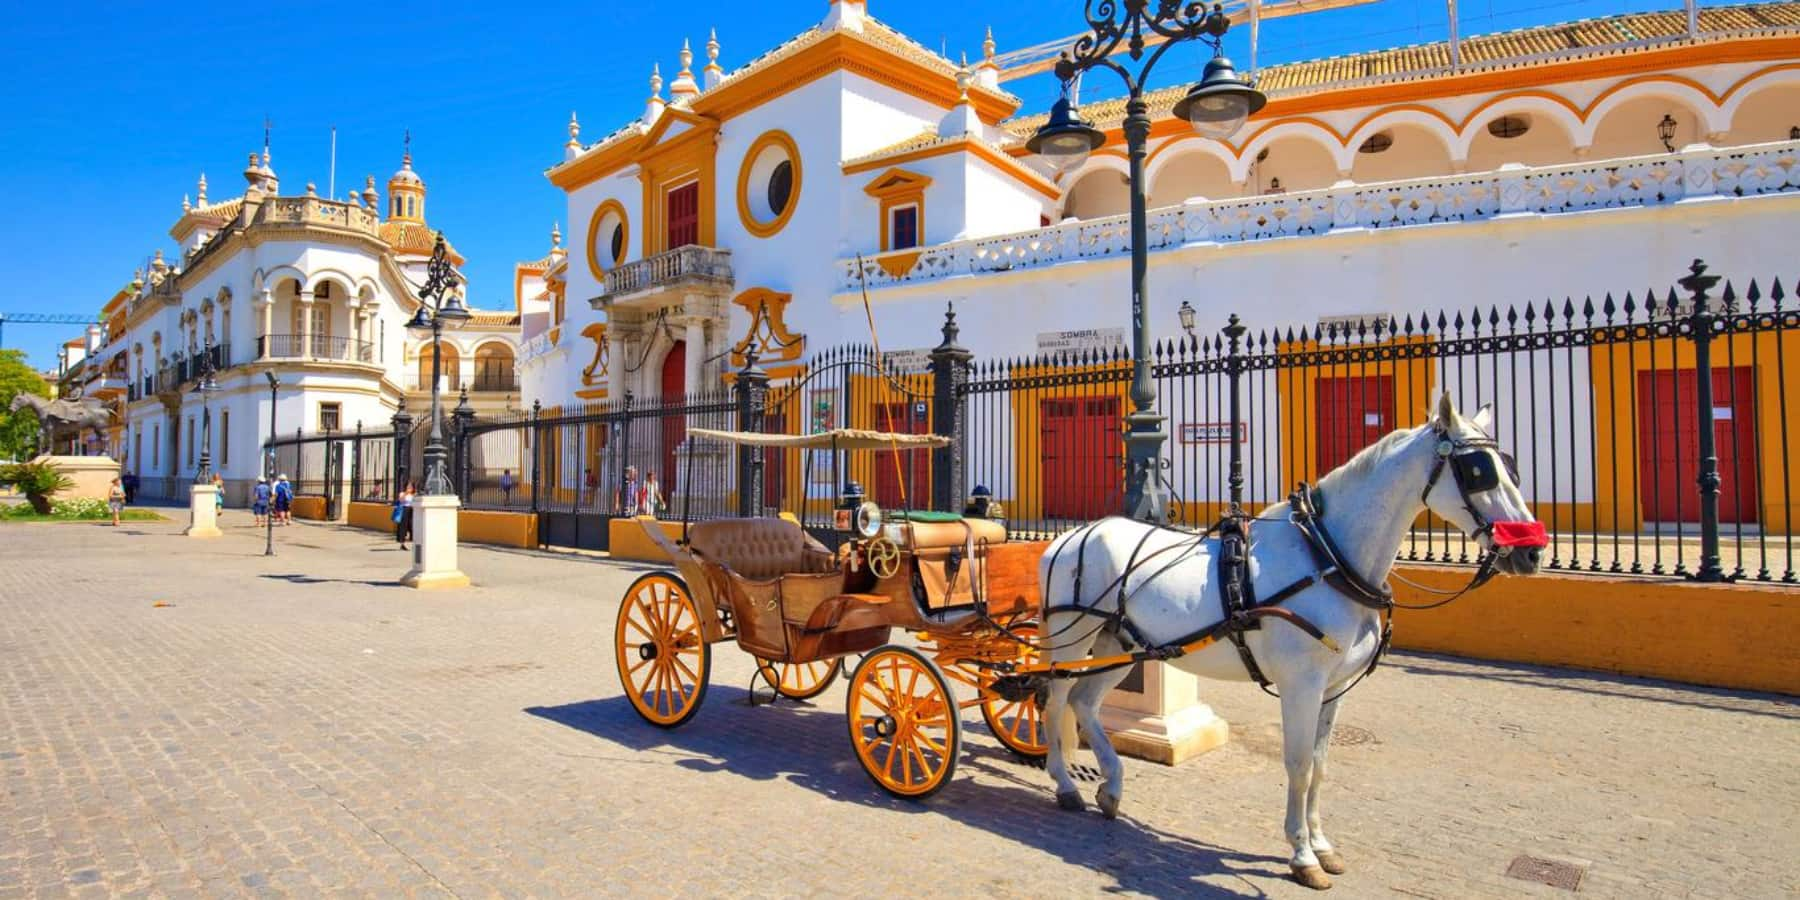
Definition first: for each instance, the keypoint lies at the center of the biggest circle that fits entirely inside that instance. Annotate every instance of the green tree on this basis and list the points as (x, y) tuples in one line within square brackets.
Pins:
[(18, 430)]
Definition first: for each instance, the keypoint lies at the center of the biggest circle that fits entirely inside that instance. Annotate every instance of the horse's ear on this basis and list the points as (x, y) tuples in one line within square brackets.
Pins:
[(1445, 417), (1484, 419)]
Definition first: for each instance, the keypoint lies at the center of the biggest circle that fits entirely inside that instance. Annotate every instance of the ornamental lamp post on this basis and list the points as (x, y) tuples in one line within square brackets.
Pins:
[(444, 310), (269, 467), (205, 384), (1216, 107)]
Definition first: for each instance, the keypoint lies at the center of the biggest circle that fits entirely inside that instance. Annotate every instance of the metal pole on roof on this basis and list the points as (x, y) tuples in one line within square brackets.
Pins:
[(1455, 40), (1255, 34), (1693, 19)]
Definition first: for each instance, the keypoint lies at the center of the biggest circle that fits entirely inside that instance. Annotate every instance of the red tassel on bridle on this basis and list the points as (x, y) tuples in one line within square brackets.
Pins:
[(1519, 534)]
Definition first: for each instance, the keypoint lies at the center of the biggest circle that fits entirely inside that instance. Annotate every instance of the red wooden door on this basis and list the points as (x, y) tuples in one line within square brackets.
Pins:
[(1083, 457), (1351, 412), (684, 216), (674, 426), (1669, 450), (915, 465)]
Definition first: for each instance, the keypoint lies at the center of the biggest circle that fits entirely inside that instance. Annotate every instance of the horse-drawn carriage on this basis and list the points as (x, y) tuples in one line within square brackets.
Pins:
[(800, 609)]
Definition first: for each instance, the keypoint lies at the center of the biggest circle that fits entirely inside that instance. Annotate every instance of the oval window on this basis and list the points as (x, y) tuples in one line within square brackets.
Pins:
[(1509, 127), (617, 244), (781, 186), (1378, 142)]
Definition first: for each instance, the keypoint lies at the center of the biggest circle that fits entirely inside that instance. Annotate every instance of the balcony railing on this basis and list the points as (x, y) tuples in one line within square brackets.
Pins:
[(490, 380), (317, 346), (1629, 182), (683, 265), (180, 370), (316, 211)]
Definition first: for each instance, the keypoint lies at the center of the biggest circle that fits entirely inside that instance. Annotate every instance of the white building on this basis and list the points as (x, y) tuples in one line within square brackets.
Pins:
[(313, 290), (755, 206)]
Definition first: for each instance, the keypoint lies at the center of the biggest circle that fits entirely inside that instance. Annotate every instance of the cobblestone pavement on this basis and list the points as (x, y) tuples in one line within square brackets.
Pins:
[(298, 726)]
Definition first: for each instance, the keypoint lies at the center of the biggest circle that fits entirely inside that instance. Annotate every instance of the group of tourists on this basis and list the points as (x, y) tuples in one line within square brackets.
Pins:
[(640, 498), (273, 502)]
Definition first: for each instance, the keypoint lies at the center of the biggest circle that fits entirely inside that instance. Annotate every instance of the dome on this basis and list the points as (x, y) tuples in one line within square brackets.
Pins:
[(406, 175)]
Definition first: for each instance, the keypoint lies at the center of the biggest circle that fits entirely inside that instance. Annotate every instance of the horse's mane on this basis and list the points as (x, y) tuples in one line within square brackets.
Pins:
[(1365, 459)]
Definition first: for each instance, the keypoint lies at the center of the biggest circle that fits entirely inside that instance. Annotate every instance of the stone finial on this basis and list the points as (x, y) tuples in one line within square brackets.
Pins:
[(656, 81), (252, 174), (137, 279), (683, 85), (368, 193), (574, 130), (200, 200), (963, 77), (312, 190), (555, 237), (987, 47), (185, 205), (654, 106), (713, 74)]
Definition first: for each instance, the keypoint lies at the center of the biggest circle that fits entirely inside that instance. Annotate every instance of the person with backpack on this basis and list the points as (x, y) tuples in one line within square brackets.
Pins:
[(403, 515), (284, 501), (259, 501)]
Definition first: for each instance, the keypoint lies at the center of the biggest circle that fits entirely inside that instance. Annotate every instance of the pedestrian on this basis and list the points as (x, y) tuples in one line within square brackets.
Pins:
[(403, 515), (628, 495), (130, 484), (651, 502), (590, 487), (284, 501), (506, 487), (259, 501), (218, 483), (115, 499)]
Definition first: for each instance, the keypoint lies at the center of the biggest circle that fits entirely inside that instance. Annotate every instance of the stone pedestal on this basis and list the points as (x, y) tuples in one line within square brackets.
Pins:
[(434, 544), (92, 475), (203, 511), (1156, 714)]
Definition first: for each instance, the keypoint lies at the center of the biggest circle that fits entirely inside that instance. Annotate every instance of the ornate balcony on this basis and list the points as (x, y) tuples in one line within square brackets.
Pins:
[(682, 270), (315, 347), (1629, 182)]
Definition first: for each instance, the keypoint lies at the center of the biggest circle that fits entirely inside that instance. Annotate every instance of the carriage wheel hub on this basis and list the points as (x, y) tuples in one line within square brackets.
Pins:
[(886, 727), (646, 650)]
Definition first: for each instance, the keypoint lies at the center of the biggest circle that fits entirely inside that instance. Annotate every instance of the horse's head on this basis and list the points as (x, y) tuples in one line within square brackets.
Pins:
[(20, 401), (1474, 485)]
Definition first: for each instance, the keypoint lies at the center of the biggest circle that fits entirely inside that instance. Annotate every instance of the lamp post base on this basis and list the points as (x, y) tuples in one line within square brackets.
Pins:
[(203, 512), (1146, 496), (1163, 720), (434, 544)]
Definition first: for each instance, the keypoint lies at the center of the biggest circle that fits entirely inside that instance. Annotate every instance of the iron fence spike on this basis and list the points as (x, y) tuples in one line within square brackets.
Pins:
[(1775, 293), (1587, 309), (1607, 307), (1753, 294)]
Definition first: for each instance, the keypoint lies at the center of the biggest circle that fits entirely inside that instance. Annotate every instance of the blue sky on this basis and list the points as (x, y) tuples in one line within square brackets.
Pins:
[(113, 111)]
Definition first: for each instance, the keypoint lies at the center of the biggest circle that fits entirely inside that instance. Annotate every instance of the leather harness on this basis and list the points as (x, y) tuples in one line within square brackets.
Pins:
[(1241, 609)]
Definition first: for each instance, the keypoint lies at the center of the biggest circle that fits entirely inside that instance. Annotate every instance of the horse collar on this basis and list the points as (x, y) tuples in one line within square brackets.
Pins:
[(1307, 514)]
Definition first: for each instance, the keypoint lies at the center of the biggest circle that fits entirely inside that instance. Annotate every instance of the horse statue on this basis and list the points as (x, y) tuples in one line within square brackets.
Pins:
[(85, 413), (1319, 563)]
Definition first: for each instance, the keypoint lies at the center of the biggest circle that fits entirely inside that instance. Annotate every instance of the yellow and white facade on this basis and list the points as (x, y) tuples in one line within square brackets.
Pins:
[(1509, 168), (314, 290)]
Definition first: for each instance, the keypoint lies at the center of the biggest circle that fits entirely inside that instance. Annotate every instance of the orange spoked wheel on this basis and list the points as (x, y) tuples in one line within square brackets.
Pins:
[(663, 662), (798, 681), (904, 725), (1018, 723)]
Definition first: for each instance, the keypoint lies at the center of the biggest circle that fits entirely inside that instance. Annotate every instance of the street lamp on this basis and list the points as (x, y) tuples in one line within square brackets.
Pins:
[(205, 384), (445, 310), (269, 465), (1665, 130), (1186, 315), (1216, 107)]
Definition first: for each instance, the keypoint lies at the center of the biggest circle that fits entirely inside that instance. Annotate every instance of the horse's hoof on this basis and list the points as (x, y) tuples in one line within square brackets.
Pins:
[(1312, 877), (1331, 861), (1108, 802), (1070, 801)]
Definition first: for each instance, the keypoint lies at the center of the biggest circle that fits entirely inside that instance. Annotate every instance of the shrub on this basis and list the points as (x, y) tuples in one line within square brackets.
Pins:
[(37, 481), (81, 508)]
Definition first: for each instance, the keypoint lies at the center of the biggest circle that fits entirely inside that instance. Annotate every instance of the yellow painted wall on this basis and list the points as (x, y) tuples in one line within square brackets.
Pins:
[(308, 508), (1678, 630), (374, 516), (473, 526), (626, 539)]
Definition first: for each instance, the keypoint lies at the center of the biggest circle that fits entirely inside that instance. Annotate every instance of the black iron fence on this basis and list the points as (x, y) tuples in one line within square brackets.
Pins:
[(1652, 430)]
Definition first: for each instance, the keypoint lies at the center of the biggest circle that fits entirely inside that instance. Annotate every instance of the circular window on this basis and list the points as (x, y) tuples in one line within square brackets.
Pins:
[(1378, 142), (1509, 127), (781, 186), (769, 184), (608, 235)]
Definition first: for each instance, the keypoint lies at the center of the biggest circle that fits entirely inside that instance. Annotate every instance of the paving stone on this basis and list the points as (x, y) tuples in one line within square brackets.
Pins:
[(332, 735)]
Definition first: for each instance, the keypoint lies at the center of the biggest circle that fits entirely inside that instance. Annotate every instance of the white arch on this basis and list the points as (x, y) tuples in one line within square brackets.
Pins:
[(1096, 163), (338, 275), (1714, 121), (270, 277), (1433, 124), (1190, 145), (1341, 156), (1580, 135), (1757, 83)]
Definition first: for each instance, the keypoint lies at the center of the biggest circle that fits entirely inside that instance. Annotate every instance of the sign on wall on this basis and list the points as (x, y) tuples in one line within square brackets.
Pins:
[(905, 361), (1212, 433), (1080, 340)]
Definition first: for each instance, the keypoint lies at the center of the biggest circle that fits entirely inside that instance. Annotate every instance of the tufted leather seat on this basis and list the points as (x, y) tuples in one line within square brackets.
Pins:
[(760, 548)]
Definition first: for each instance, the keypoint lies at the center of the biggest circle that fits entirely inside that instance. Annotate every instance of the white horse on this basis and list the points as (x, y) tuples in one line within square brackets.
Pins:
[(1368, 505)]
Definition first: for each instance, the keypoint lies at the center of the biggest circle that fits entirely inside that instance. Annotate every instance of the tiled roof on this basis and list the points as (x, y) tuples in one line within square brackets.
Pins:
[(923, 139), (414, 239), (1490, 51), (223, 210), (487, 318)]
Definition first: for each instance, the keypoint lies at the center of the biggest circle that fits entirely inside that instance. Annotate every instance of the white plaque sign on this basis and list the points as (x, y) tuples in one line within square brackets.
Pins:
[(1080, 340)]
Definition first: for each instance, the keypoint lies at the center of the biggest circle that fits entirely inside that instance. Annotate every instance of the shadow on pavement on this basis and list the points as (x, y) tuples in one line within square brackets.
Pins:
[(309, 579), (808, 746), (1603, 684)]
